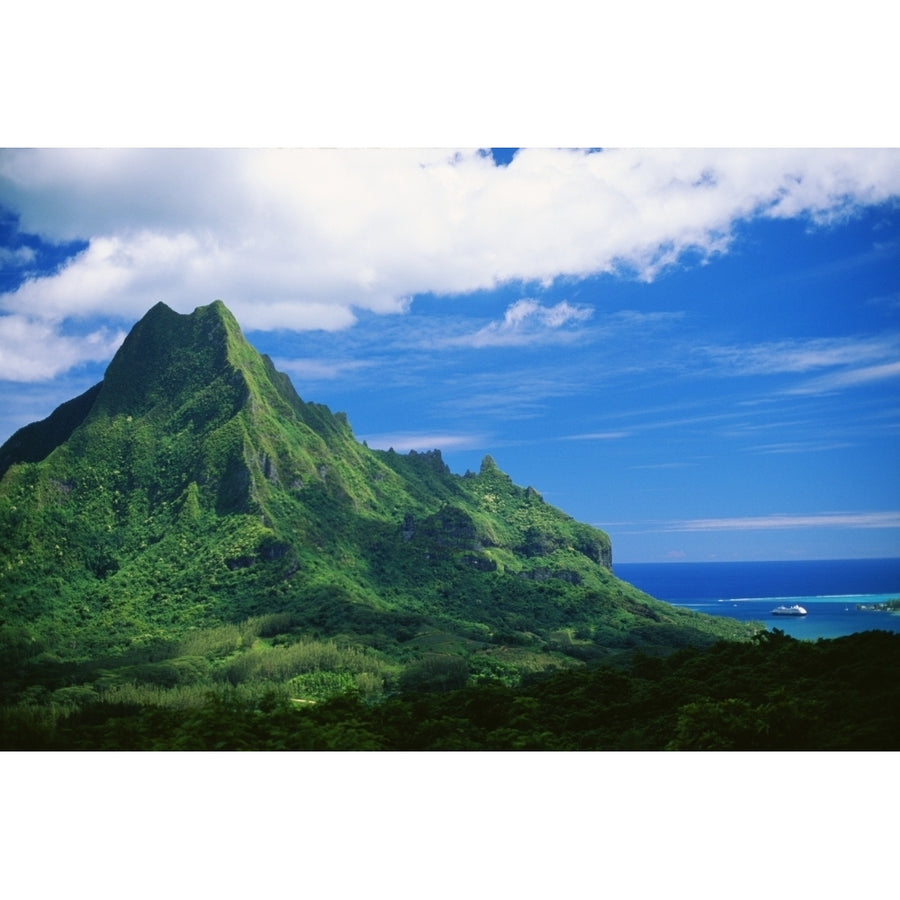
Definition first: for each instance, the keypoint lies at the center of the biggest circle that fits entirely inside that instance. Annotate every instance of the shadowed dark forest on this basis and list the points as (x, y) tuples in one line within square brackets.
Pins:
[(773, 694)]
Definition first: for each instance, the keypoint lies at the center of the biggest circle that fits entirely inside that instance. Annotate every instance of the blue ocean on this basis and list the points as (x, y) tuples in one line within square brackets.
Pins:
[(833, 592)]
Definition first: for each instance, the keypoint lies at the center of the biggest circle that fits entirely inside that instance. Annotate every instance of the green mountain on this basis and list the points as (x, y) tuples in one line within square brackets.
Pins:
[(191, 522)]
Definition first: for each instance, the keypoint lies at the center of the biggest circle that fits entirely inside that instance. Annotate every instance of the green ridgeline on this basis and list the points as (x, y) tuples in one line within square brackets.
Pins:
[(191, 522)]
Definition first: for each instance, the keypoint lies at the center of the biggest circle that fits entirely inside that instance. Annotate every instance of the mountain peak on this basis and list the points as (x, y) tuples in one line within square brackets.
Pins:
[(167, 361), (169, 356)]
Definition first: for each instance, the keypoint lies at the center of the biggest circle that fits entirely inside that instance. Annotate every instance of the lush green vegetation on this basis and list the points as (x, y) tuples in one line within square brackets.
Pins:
[(772, 694), (190, 532)]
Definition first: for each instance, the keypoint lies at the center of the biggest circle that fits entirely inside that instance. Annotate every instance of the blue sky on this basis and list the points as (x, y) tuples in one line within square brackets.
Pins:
[(697, 351)]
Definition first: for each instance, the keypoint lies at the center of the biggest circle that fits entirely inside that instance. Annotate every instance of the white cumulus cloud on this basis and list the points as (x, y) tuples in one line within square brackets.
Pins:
[(306, 239), (34, 350)]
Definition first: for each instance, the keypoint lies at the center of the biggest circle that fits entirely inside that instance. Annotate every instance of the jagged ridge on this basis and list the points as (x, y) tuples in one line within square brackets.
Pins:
[(194, 487)]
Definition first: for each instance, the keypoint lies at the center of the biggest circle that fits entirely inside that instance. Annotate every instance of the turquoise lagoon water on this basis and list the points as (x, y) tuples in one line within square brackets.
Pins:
[(833, 592)]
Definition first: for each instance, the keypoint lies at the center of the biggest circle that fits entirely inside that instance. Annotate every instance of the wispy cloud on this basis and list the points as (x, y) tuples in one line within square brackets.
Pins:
[(651, 422), (319, 370), (665, 465), (799, 356), (514, 393), (890, 302), (404, 441), (780, 521), (18, 257), (849, 378), (632, 319), (853, 362), (528, 322), (800, 447), (599, 436)]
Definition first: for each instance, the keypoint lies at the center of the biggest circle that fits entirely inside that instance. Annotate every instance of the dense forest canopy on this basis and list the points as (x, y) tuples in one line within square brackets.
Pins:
[(190, 548)]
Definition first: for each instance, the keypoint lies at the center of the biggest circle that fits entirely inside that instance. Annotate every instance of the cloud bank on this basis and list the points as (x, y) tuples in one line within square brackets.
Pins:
[(306, 239)]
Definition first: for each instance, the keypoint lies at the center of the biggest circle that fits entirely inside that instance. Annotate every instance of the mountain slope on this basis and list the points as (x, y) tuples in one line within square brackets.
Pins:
[(194, 490)]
